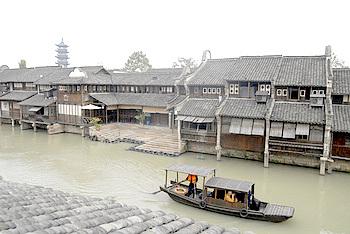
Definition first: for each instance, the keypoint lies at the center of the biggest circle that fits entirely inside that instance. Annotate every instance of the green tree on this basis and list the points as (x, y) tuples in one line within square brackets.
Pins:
[(96, 122), (186, 62), (22, 63), (141, 117), (137, 62)]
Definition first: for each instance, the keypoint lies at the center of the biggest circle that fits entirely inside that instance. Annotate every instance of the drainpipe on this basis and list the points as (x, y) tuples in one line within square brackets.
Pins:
[(179, 135)]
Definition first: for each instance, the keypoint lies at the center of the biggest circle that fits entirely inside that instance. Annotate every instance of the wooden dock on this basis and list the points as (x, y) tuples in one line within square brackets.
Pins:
[(148, 139)]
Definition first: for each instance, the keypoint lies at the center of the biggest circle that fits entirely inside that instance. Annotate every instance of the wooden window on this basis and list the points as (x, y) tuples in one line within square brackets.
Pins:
[(209, 90), (18, 85), (94, 88), (302, 93), (236, 88), (262, 87), (321, 92), (147, 89), (85, 88), (78, 88), (218, 90), (213, 90), (279, 92), (314, 92), (205, 90), (285, 92), (132, 89), (232, 89), (268, 89)]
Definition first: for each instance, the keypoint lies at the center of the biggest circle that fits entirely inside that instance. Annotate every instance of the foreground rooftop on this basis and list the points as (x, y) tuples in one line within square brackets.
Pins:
[(27, 208)]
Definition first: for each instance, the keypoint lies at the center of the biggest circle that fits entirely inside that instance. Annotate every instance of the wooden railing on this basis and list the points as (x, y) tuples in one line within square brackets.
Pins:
[(341, 151), (37, 118)]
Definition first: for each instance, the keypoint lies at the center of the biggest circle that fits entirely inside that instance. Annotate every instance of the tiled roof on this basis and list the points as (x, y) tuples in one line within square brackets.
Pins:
[(163, 76), (341, 81), (212, 72), (26, 208), (302, 71), (244, 108), (137, 99), (38, 100), (255, 68), (17, 95), (297, 113), (94, 75), (341, 118), (199, 107), (26, 74), (176, 100)]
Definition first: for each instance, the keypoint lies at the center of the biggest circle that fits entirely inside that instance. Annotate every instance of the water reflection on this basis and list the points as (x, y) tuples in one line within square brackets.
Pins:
[(71, 163)]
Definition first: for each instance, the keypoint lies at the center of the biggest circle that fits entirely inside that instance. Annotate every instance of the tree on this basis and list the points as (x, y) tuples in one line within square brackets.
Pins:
[(96, 122), (22, 64), (336, 62), (141, 117), (137, 62), (186, 62)]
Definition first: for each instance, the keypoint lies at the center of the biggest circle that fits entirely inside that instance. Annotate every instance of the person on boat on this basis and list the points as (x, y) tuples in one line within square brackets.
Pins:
[(193, 180), (230, 197)]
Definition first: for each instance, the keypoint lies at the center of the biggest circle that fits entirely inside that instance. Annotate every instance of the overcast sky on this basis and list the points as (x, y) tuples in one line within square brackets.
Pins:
[(107, 32)]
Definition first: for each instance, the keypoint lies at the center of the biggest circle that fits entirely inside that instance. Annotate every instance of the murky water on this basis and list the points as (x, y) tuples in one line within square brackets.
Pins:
[(73, 164)]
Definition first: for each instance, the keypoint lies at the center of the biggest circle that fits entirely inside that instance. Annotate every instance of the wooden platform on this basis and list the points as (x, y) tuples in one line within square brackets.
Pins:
[(148, 139)]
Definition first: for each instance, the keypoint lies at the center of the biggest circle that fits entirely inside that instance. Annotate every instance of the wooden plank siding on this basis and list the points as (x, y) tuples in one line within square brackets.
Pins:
[(243, 142)]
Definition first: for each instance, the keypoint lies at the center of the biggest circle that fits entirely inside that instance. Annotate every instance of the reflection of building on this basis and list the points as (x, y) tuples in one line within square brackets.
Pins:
[(284, 109)]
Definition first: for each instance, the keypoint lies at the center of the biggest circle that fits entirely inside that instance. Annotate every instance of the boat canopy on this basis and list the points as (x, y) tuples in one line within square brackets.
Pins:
[(229, 184), (189, 169)]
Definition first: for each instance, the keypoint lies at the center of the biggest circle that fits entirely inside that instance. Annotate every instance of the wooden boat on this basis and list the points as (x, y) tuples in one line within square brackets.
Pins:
[(221, 195)]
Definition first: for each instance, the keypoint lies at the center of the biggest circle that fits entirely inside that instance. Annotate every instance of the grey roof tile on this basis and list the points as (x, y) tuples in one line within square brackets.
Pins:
[(212, 72), (26, 74), (244, 108), (302, 71), (95, 75), (255, 68), (341, 118), (157, 77), (38, 100), (297, 113), (199, 107), (341, 81), (17, 95), (26, 208), (139, 99)]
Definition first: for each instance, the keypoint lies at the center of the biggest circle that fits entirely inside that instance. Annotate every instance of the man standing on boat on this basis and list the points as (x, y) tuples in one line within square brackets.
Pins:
[(193, 180)]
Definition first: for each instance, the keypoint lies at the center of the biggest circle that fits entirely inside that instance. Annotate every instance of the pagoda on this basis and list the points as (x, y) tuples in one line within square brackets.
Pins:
[(62, 54)]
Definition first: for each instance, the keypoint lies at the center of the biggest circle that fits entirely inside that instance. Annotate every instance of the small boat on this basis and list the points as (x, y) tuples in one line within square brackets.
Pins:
[(221, 195)]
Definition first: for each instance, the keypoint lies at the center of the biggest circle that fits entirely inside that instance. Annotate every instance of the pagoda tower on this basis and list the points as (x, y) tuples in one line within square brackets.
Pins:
[(62, 54)]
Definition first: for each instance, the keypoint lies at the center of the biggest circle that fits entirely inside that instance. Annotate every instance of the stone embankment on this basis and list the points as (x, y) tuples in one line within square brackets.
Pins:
[(148, 139), (27, 208)]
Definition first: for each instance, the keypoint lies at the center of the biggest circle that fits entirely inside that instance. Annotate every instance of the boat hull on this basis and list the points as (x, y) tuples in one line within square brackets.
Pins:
[(248, 214)]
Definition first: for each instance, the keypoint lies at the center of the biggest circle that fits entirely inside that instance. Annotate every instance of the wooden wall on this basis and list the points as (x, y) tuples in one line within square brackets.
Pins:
[(243, 142)]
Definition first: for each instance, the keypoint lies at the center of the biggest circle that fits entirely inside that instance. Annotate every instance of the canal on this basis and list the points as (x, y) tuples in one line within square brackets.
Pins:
[(73, 164)]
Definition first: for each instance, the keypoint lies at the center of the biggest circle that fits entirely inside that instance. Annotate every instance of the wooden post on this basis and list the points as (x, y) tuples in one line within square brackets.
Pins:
[(218, 139), (106, 114), (179, 135), (203, 182), (177, 177), (117, 114), (267, 137), (170, 118), (166, 178)]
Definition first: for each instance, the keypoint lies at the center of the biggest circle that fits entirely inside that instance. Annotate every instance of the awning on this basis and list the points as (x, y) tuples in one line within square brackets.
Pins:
[(181, 118), (208, 120), (258, 127), (91, 107), (235, 126), (302, 129), (34, 109), (247, 126), (198, 120), (190, 169), (276, 129), (289, 131), (189, 119)]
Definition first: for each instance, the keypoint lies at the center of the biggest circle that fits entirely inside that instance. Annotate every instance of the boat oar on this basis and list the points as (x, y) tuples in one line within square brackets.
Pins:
[(156, 192)]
